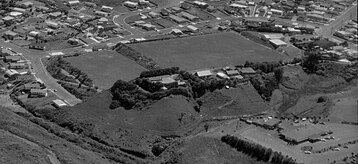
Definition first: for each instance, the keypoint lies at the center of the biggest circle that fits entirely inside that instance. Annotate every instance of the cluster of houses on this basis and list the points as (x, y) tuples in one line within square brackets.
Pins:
[(168, 17), (138, 4), (49, 23), (15, 63), (226, 72), (348, 31), (318, 11)]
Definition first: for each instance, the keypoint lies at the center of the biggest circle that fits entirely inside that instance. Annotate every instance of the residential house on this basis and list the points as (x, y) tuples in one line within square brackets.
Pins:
[(21, 10), (17, 66), (52, 24), (165, 12), (15, 14), (189, 16), (59, 103), (192, 28), (11, 73), (204, 73), (29, 86), (35, 93), (37, 46), (10, 35), (101, 13), (154, 14), (55, 15), (26, 4), (73, 2), (201, 4), (130, 4), (106, 9), (177, 19), (278, 43), (148, 27), (177, 32), (247, 71), (232, 72), (12, 59)]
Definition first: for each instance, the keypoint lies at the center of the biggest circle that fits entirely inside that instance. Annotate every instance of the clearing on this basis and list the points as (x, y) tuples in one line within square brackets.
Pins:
[(106, 67), (212, 50)]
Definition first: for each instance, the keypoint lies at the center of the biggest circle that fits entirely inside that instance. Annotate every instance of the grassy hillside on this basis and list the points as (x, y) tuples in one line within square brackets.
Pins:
[(236, 101), (26, 142)]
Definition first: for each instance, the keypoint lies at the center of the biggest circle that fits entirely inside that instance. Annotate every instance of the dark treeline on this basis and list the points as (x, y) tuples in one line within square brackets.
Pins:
[(257, 151), (160, 72)]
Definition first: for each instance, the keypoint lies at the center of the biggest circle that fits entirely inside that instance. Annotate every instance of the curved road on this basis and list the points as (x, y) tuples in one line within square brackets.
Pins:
[(119, 19), (40, 71)]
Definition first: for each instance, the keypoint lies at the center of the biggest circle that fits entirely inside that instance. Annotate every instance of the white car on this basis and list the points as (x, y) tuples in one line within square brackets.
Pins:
[(307, 152)]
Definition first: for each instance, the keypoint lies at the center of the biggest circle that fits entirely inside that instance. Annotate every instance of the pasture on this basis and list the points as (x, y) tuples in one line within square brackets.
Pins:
[(106, 67), (205, 51)]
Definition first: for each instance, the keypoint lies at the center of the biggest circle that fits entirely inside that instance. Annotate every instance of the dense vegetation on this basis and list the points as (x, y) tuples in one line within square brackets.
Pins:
[(257, 151), (141, 91), (55, 66)]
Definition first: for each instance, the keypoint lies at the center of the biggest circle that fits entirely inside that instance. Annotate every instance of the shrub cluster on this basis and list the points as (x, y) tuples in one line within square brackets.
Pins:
[(257, 151)]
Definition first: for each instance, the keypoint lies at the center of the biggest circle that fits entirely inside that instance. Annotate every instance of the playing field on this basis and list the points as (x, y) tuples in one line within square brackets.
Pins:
[(106, 67), (206, 51)]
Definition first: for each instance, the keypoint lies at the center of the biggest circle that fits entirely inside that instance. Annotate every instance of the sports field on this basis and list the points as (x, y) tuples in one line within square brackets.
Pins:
[(206, 51), (106, 67)]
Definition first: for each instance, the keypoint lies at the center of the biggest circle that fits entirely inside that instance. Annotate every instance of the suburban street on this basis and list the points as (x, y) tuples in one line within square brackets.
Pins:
[(40, 72), (327, 31)]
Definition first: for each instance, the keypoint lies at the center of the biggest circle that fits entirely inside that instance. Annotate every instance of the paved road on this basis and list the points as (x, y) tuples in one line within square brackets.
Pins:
[(40, 71), (350, 13), (121, 17)]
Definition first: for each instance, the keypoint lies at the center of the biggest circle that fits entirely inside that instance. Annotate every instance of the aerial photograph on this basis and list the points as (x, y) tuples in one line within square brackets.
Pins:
[(178, 82)]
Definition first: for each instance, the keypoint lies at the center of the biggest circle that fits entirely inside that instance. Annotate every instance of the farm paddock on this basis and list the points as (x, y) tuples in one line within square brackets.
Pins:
[(212, 50), (106, 67)]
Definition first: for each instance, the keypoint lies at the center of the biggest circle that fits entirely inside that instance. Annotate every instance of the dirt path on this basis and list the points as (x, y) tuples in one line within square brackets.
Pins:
[(51, 155)]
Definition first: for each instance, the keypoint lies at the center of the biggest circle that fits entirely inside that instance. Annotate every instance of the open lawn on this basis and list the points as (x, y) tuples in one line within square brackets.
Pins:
[(206, 51), (106, 67)]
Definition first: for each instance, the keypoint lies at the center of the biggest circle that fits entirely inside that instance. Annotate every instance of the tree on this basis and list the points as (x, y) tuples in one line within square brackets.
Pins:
[(206, 127), (310, 63), (278, 71)]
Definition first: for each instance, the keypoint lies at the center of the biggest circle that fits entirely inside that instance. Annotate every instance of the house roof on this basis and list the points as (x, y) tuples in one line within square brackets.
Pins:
[(12, 57), (59, 103), (15, 13), (247, 70), (232, 72), (277, 42), (10, 33), (204, 73), (7, 18)]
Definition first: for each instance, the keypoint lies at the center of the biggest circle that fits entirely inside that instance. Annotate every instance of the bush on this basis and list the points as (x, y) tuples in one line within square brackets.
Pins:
[(321, 99)]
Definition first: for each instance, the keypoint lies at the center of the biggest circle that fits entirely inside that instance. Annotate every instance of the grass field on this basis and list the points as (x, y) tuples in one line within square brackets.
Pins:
[(208, 51), (106, 67)]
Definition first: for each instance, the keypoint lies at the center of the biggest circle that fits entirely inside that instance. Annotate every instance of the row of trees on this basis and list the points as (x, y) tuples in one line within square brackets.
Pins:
[(159, 72), (140, 59), (257, 151), (265, 67)]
